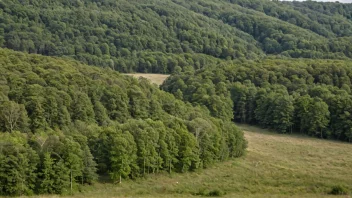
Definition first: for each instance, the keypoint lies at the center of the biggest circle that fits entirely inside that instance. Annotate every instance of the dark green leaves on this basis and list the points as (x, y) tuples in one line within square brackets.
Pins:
[(83, 121)]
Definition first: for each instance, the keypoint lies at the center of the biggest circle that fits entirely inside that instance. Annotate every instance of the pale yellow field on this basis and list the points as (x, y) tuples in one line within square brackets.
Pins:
[(154, 78), (275, 166)]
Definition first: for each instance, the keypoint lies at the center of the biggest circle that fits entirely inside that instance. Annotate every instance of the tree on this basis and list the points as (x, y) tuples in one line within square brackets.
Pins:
[(239, 98), (82, 108), (36, 114), (14, 115), (283, 113), (71, 153), (188, 151), (18, 165), (100, 114), (318, 116), (89, 167), (138, 103), (47, 175), (207, 138), (122, 155), (62, 180)]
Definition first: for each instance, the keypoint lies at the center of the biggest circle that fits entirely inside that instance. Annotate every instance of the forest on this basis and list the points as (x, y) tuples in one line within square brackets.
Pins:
[(296, 95), (143, 36), (65, 123), (156, 36), (69, 116)]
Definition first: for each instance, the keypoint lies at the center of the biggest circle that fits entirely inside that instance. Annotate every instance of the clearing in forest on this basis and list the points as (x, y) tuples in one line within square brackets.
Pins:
[(154, 78)]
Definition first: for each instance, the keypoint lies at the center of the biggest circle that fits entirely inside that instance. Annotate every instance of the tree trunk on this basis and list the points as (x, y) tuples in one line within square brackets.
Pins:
[(321, 133), (71, 181), (144, 166), (170, 166), (157, 170)]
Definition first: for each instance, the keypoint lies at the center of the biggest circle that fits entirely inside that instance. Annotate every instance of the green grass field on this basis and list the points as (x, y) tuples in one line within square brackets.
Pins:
[(275, 166), (154, 78)]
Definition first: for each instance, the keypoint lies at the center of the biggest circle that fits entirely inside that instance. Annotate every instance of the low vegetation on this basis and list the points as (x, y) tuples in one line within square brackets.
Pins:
[(157, 79)]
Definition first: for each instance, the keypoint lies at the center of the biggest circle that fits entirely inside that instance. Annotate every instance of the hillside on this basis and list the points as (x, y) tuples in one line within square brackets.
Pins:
[(293, 95), (72, 124), (274, 166), (157, 36), (63, 124)]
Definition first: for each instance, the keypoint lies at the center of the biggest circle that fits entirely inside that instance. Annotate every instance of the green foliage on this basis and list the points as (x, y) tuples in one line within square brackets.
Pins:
[(13, 116), (211, 193), (18, 165), (309, 96), (89, 172), (148, 36), (47, 174), (215, 193), (122, 155), (159, 36), (318, 117), (83, 121), (338, 190), (292, 29)]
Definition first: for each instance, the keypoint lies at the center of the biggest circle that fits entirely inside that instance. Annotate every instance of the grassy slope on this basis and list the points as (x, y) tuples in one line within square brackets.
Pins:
[(154, 78), (275, 166)]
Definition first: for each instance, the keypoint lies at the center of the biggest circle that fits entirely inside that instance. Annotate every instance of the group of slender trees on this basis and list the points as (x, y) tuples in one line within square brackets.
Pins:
[(306, 96), (64, 123)]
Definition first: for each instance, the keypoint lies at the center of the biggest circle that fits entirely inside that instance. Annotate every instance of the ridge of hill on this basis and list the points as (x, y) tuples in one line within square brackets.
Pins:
[(156, 36)]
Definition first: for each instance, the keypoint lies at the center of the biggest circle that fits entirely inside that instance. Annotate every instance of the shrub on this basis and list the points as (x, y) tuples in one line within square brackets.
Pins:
[(338, 190), (211, 193), (215, 193)]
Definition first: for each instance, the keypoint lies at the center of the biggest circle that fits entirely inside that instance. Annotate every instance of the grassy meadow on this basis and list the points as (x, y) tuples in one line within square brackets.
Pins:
[(275, 165), (154, 78)]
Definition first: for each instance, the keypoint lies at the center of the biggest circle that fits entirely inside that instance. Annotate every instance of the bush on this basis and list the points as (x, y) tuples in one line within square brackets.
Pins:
[(211, 193), (215, 193), (338, 190)]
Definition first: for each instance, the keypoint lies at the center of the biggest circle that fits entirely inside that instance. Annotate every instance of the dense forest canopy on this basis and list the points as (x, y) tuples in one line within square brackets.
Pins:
[(280, 65), (303, 95), (282, 28), (156, 36), (63, 123), (144, 36)]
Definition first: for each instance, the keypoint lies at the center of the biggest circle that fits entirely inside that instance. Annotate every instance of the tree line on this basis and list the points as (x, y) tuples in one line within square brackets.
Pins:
[(155, 37), (290, 29), (123, 35), (296, 95), (63, 124)]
